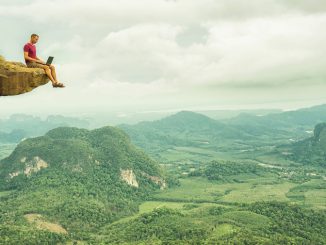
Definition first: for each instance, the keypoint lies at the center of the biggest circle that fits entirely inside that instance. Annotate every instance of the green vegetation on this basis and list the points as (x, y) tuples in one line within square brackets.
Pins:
[(72, 177), (6, 149), (184, 129), (217, 170), (163, 224), (241, 181), (12, 235), (266, 188), (257, 223), (194, 137)]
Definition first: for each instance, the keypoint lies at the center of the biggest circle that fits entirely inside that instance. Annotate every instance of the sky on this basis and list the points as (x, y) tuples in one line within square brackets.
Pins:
[(168, 55)]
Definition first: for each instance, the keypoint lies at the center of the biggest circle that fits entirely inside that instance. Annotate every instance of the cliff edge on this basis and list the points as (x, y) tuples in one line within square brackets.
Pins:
[(16, 78)]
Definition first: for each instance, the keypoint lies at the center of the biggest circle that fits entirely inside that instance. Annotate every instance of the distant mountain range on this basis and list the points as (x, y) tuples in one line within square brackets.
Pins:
[(188, 128), (255, 123), (184, 128), (296, 121), (19, 126)]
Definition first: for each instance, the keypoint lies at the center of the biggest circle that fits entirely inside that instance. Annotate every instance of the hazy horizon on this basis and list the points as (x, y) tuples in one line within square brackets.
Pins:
[(100, 119)]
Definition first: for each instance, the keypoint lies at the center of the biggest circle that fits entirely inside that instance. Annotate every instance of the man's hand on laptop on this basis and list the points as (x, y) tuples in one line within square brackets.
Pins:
[(39, 61)]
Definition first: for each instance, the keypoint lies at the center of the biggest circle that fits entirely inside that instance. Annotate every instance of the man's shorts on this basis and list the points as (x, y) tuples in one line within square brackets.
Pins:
[(34, 65)]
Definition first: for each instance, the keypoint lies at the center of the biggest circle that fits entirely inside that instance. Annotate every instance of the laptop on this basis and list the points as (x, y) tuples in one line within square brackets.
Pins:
[(49, 61)]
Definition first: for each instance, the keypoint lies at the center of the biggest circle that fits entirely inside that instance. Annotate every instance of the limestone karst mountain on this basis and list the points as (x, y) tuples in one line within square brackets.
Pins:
[(71, 149), (311, 151), (76, 179), (16, 78)]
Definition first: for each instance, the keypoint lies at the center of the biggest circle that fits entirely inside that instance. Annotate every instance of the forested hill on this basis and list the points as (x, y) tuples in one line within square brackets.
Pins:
[(77, 178), (192, 129), (188, 122), (280, 123), (184, 128)]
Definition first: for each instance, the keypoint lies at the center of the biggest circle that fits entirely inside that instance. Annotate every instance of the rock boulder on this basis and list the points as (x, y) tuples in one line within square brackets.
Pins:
[(16, 78)]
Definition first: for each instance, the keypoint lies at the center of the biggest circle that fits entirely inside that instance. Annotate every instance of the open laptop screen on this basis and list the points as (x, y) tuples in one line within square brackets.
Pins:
[(49, 61)]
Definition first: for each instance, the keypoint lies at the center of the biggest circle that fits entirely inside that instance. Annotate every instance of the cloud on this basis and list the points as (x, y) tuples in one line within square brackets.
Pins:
[(263, 52), (268, 51), (118, 14), (163, 53), (141, 53)]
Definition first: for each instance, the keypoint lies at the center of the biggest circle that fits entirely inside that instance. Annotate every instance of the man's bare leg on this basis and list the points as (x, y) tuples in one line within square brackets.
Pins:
[(48, 73), (54, 75)]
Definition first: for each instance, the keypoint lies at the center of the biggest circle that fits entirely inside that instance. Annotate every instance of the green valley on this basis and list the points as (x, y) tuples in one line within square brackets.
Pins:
[(183, 179)]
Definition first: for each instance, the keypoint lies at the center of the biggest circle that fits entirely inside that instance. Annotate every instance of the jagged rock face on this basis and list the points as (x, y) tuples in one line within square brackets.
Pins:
[(32, 166), (129, 177), (157, 180), (16, 78)]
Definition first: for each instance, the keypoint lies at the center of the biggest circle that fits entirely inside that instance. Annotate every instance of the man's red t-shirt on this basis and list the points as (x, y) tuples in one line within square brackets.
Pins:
[(31, 49)]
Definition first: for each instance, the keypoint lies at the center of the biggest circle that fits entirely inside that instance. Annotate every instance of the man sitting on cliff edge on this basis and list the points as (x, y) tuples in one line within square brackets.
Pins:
[(33, 61)]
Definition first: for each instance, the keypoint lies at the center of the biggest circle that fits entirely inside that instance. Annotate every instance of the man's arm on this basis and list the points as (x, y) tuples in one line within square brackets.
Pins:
[(37, 60), (41, 61), (28, 58)]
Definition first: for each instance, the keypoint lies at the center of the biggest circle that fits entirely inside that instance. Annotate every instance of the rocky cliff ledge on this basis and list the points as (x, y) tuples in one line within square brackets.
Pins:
[(16, 78)]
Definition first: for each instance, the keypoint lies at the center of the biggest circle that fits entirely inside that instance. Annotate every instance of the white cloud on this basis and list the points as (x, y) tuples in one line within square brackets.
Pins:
[(162, 53)]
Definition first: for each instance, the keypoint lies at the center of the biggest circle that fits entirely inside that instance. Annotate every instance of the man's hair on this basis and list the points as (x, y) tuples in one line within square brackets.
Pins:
[(34, 35)]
